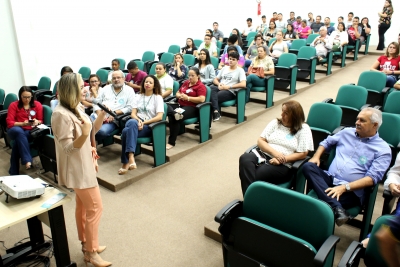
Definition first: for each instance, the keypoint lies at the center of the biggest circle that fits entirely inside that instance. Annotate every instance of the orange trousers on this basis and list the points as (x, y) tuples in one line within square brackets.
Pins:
[(89, 208)]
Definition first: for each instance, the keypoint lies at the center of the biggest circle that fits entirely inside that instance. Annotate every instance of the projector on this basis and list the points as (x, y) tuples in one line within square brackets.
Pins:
[(21, 186)]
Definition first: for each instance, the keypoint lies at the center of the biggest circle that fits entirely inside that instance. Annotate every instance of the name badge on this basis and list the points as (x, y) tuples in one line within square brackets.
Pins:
[(32, 112), (189, 90)]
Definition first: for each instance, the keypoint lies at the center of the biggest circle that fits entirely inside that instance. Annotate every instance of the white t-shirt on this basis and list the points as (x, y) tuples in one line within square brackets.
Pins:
[(280, 138), (228, 77), (211, 49), (166, 82), (148, 106)]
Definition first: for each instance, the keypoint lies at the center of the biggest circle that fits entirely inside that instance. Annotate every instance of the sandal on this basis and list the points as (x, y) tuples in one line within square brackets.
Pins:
[(28, 166), (122, 171), (132, 166), (178, 116), (168, 147)]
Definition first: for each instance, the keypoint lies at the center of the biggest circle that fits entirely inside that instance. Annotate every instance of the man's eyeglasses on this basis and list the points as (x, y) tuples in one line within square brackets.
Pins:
[(116, 78)]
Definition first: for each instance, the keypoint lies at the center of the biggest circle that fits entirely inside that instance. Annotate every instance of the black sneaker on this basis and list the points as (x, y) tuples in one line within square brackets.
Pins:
[(216, 116)]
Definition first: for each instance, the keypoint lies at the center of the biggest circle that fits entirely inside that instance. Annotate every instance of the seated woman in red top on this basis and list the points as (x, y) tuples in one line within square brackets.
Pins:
[(191, 93), (22, 115), (389, 64)]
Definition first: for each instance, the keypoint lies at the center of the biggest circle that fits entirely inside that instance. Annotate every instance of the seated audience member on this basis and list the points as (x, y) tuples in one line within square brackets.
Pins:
[(147, 108), (54, 102), (250, 28), (361, 160), (236, 31), (279, 46), (297, 24), (207, 44), (292, 18), (191, 93), (118, 97), (304, 31), (349, 21), (354, 31), (270, 32), (225, 58), (366, 29), (397, 85), (252, 51), (280, 23), (311, 19), (206, 69), (190, 47), (178, 69), (233, 40), (274, 17), (166, 82), (340, 19), (115, 64), (389, 64), (322, 43), (263, 25), (229, 78), (388, 238), (327, 24), (135, 76), (282, 142), (339, 38), (213, 39), (290, 35), (217, 33), (316, 25), (261, 60), (92, 91), (22, 116)]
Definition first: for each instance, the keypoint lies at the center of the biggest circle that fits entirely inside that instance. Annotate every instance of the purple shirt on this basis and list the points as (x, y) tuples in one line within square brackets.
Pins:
[(296, 26), (137, 79), (357, 157)]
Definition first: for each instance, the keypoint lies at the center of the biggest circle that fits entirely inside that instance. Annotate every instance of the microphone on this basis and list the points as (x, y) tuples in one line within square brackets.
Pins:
[(112, 113)]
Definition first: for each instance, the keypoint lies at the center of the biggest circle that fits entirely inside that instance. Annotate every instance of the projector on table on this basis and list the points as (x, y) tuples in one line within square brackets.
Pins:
[(21, 186)]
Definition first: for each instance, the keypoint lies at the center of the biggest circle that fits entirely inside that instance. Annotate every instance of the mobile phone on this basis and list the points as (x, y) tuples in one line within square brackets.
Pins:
[(31, 120)]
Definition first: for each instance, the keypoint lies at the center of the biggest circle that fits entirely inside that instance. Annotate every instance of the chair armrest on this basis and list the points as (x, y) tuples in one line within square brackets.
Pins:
[(156, 124), (351, 84), (269, 77), (106, 68), (338, 129), (201, 105), (122, 116), (353, 252), (326, 248), (293, 66), (250, 148), (225, 212), (125, 119), (385, 90), (314, 58), (328, 100), (298, 163), (137, 59), (387, 195), (1, 106)]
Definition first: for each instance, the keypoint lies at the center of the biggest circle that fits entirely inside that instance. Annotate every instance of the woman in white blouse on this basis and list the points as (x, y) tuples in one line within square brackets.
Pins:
[(148, 107), (282, 142)]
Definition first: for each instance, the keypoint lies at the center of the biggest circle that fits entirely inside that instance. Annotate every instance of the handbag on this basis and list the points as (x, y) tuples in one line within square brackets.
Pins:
[(259, 71)]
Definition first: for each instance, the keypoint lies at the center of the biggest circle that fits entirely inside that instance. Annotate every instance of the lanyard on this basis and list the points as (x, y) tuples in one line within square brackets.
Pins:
[(145, 106)]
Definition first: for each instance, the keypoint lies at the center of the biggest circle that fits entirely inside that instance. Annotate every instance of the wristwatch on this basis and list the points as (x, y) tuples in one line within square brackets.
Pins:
[(347, 187)]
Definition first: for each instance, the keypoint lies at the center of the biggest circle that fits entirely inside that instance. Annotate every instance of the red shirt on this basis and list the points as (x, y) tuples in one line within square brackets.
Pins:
[(388, 64), (195, 90), (16, 114), (137, 79)]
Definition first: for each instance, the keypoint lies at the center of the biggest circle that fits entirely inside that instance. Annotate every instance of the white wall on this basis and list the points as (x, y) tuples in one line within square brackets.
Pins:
[(52, 34)]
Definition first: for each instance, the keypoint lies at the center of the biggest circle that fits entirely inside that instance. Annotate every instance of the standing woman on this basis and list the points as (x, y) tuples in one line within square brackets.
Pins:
[(385, 19), (389, 64), (22, 116), (77, 162), (207, 72), (190, 48), (148, 107), (178, 69)]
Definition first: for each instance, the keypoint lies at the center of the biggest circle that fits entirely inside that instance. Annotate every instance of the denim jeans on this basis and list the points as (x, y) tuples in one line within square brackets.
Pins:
[(129, 137), (105, 131), (20, 148)]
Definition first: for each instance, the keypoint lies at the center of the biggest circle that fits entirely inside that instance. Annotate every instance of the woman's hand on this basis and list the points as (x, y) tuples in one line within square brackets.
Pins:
[(86, 125), (35, 122), (279, 156), (140, 125), (275, 161)]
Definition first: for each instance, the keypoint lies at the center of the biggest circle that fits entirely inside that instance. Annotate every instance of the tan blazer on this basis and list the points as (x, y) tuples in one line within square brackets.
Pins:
[(74, 165)]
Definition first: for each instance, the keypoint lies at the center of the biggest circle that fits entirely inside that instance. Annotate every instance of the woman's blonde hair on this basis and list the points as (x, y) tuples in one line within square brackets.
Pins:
[(396, 45), (69, 93)]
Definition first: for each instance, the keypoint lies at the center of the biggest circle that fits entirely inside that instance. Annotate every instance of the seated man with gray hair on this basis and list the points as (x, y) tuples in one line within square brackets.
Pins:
[(322, 43), (361, 160)]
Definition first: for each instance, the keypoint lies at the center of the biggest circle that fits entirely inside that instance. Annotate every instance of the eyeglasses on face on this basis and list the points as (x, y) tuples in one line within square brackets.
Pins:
[(116, 78), (26, 97)]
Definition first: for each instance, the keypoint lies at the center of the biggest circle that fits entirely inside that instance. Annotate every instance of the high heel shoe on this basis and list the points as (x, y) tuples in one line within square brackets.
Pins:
[(100, 249), (95, 259)]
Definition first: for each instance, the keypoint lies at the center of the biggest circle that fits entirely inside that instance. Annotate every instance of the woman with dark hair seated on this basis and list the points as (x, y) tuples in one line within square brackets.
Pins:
[(207, 72), (270, 32), (190, 47), (178, 69), (191, 93), (166, 82), (282, 142), (389, 64), (290, 35), (225, 57), (148, 107), (92, 91), (22, 116), (237, 33)]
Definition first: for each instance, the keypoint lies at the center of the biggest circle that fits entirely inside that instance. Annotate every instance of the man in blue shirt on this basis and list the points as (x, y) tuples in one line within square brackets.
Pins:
[(361, 160)]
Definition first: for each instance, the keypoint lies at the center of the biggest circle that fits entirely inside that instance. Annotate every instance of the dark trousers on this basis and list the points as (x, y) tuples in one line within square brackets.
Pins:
[(219, 96), (175, 125), (249, 172), (382, 29), (21, 149), (320, 181)]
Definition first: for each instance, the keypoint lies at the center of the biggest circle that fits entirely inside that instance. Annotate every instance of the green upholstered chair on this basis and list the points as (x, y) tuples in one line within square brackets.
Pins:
[(371, 255), (122, 63), (341, 54), (147, 57), (189, 61), (311, 38), (328, 61), (152, 70), (296, 45), (366, 44), (375, 83), (203, 119), (354, 48), (274, 226), (271, 41), (268, 88), (351, 99), (140, 64), (10, 97), (2, 97), (85, 72), (197, 42), (43, 84), (239, 102), (103, 74), (214, 62), (47, 112), (286, 72), (392, 103), (307, 64)]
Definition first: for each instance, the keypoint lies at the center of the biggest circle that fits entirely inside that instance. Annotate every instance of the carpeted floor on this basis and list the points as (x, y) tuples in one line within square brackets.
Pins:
[(159, 220)]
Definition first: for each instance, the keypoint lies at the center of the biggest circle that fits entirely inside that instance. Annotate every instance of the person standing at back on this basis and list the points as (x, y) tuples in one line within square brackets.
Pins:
[(385, 20)]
